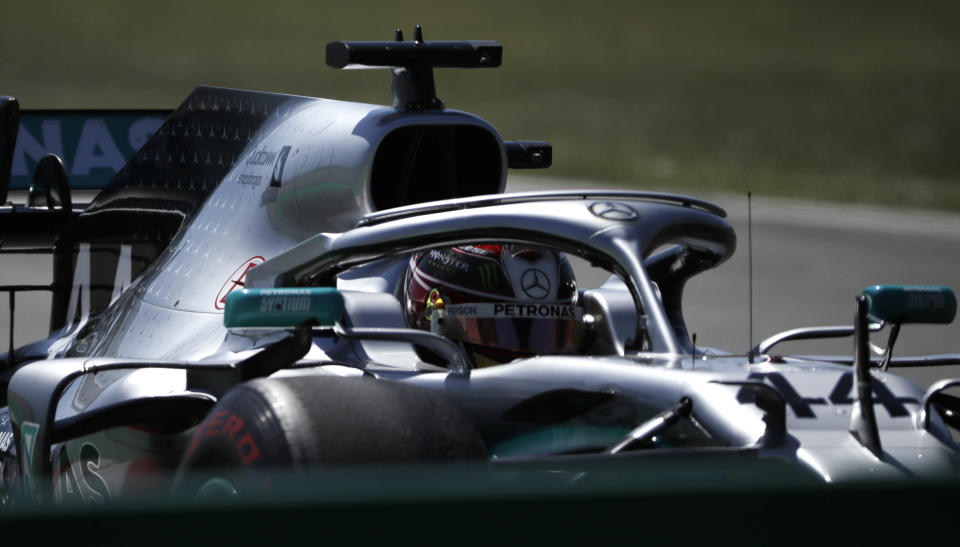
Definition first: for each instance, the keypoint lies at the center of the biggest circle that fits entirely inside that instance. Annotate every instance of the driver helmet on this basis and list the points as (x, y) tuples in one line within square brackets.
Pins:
[(501, 301)]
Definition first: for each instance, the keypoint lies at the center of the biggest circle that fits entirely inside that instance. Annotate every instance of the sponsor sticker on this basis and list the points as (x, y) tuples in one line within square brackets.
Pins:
[(285, 303), (28, 437), (262, 157), (235, 281), (923, 298), (277, 177), (488, 276), (446, 261), (515, 311), (227, 425), (535, 283), (93, 145), (249, 180), (28, 441)]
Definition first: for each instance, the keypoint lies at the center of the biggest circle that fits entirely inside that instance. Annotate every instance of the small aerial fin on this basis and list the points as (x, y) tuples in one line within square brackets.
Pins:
[(863, 418)]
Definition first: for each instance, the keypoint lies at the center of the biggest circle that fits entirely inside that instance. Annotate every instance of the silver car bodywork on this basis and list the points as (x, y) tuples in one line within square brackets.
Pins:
[(645, 367), (303, 202)]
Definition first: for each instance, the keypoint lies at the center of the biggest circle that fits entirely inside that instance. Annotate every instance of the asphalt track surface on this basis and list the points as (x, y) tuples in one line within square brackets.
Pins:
[(810, 260)]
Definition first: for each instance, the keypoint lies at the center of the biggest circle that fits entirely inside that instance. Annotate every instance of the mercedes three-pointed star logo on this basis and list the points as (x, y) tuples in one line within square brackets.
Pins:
[(612, 210), (535, 283)]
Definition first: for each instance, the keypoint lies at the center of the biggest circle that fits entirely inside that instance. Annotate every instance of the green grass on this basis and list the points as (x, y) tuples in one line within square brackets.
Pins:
[(851, 101)]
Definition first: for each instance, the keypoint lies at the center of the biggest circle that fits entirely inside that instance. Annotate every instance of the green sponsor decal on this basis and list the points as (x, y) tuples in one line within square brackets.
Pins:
[(28, 434), (28, 442), (93, 145), (283, 307)]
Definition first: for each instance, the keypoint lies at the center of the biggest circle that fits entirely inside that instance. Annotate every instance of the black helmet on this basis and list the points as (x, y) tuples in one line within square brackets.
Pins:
[(501, 301)]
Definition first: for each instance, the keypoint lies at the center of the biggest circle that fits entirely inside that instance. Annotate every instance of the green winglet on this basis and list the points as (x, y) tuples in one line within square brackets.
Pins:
[(283, 307), (911, 303)]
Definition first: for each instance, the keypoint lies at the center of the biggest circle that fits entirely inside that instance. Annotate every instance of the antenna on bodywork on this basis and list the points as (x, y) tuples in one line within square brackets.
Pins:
[(863, 419), (412, 62), (751, 353), (9, 127)]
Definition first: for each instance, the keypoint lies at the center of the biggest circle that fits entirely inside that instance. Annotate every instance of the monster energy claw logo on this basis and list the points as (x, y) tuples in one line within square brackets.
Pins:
[(488, 276)]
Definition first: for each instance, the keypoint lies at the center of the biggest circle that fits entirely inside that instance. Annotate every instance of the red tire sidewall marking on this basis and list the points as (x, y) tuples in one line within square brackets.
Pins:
[(230, 427)]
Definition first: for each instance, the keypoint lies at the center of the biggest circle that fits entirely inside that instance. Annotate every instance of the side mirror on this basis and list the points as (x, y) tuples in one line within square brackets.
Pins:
[(50, 188), (285, 307), (900, 304)]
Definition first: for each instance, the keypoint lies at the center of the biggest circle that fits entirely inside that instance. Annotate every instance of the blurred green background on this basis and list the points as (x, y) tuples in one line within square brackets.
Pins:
[(849, 101)]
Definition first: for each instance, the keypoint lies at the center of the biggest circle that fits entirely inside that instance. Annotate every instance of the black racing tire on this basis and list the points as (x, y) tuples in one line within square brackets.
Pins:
[(294, 424)]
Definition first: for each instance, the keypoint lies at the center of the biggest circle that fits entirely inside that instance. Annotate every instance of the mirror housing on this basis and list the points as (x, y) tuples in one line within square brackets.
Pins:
[(50, 188), (528, 154), (283, 308), (900, 304)]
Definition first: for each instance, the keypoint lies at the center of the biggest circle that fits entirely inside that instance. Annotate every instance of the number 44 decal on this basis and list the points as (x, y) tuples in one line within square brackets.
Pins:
[(840, 395)]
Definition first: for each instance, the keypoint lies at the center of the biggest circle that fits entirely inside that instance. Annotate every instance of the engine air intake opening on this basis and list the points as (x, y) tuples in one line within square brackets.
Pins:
[(422, 163)]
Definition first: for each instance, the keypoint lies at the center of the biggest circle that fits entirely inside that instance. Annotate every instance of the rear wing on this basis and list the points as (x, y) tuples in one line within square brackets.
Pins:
[(91, 147)]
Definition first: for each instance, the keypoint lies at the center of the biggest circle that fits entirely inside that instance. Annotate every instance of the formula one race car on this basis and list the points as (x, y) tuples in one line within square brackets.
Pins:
[(279, 282)]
